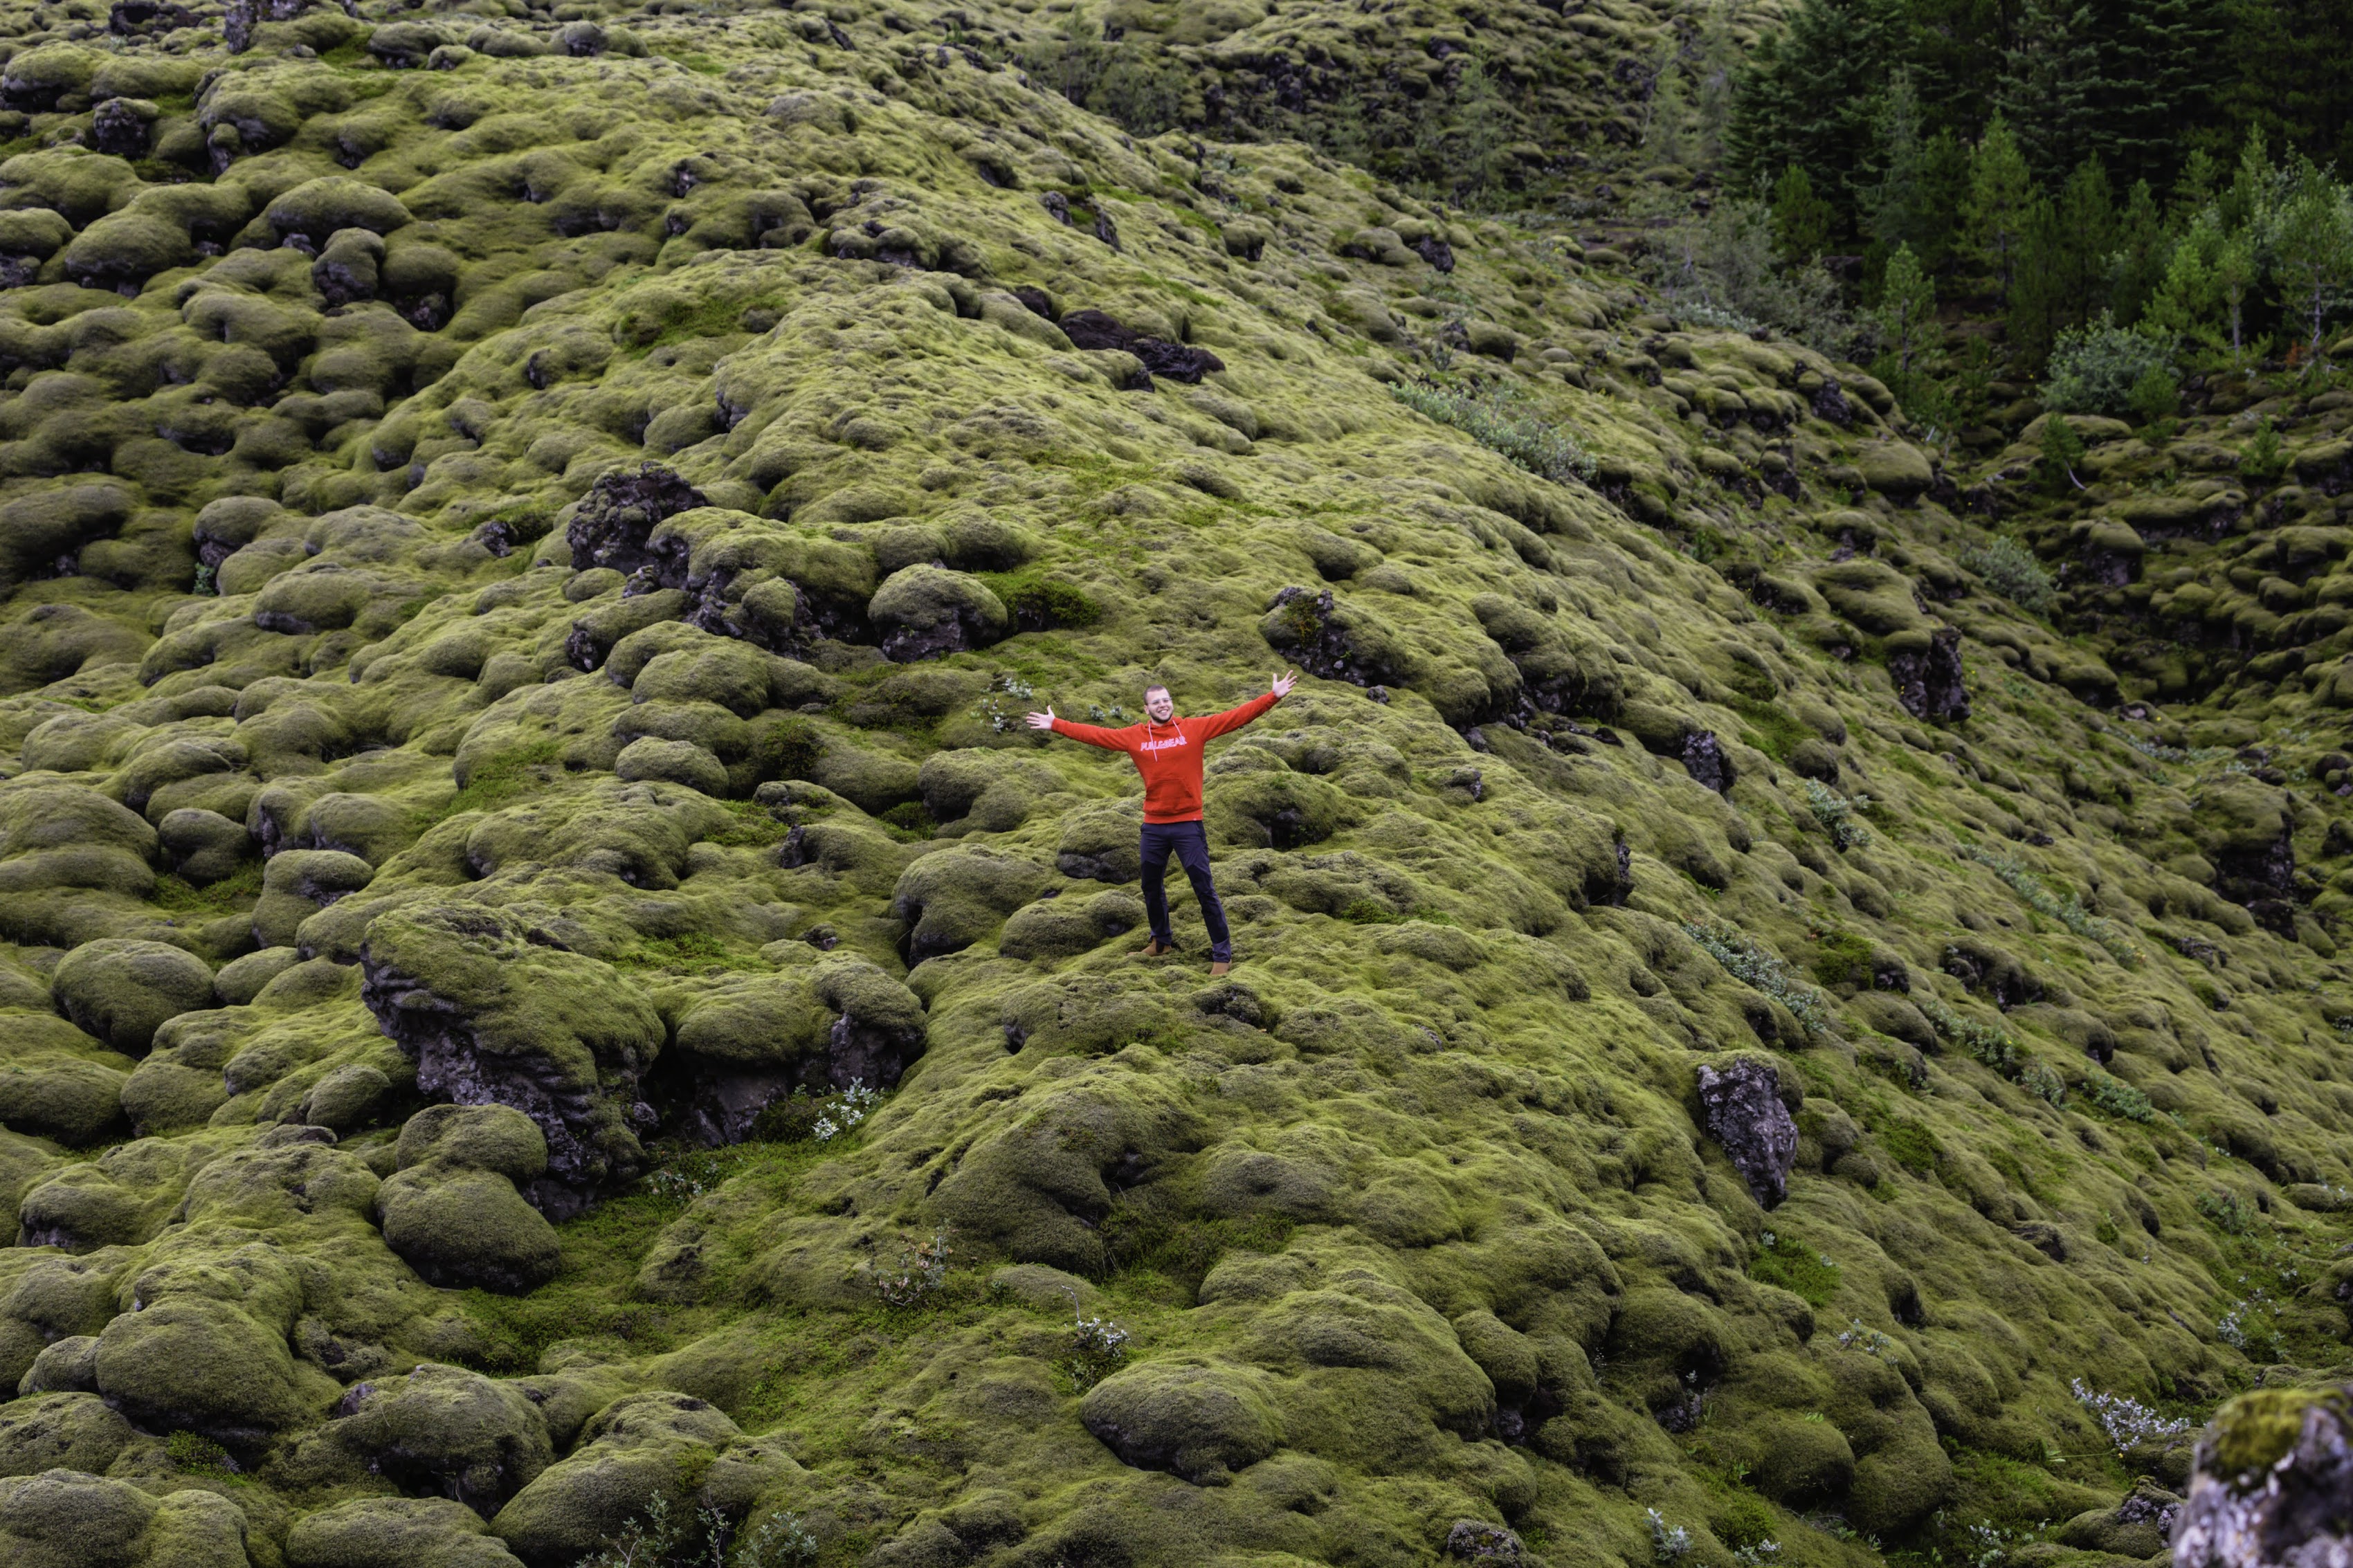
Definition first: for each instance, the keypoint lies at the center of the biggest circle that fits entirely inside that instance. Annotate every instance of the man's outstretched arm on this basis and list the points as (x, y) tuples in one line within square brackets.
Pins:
[(1217, 724), (1091, 734)]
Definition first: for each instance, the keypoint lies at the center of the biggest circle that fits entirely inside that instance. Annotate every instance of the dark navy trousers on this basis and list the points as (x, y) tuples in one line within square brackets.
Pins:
[(1190, 844)]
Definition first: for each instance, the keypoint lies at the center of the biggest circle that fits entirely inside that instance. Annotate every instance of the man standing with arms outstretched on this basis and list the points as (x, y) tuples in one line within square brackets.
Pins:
[(1167, 751)]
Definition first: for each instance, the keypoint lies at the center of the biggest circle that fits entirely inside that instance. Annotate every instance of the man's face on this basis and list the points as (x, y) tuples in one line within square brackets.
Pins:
[(1159, 705)]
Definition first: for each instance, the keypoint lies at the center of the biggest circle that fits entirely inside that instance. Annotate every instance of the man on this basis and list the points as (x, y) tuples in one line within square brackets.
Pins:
[(1167, 752)]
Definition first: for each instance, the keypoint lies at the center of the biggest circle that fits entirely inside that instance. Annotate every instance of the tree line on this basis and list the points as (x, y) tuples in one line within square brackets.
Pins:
[(2074, 167)]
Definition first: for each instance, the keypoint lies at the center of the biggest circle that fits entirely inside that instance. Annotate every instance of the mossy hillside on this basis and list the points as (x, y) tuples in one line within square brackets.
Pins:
[(1412, 1222)]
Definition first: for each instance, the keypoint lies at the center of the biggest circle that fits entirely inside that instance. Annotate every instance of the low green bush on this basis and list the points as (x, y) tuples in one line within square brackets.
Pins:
[(1502, 420)]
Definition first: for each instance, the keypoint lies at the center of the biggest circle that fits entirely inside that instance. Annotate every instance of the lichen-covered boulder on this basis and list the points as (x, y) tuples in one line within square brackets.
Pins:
[(63, 1095), (320, 208), (822, 1027), (119, 989), (64, 1519), (1199, 1421), (1741, 1106), (927, 611), (453, 1210), (395, 1532), (447, 1430), (495, 1012), (207, 1365), (71, 1431), (640, 1448), (123, 1196), (953, 898)]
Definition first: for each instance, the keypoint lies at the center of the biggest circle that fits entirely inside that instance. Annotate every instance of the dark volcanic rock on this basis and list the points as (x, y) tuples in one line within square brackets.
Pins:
[(1929, 682), (2272, 1487), (1704, 757), (1315, 631), (244, 15), (1177, 361), (1741, 1104), (495, 1014), (620, 513)]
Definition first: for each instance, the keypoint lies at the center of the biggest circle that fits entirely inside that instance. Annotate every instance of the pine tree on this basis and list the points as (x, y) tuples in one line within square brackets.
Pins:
[(2192, 190), (2000, 193), (1811, 97), (2289, 72), (1945, 182), (1907, 306), (1482, 131), (1801, 220), (2087, 215), (2310, 235), (2037, 295), (2048, 77), (1670, 128), (1897, 201), (1714, 69), (2253, 182), (2188, 297), (1956, 49), (2154, 82), (2234, 274), (2136, 263)]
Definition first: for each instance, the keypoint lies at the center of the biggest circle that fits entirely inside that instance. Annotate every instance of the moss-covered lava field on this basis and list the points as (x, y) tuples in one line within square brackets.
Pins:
[(548, 998)]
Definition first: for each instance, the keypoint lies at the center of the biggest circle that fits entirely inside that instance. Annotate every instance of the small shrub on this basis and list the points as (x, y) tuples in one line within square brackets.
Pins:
[(785, 746), (1837, 814), (2068, 911), (756, 828), (662, 1537), (198, 1454), (922, 1274), (691, 1174), (2251, 1327), (1039, 603), (1845, 960), (2011, 570), (1669, 1543), (2156, 397), (2128, 1421), (2054, 471), (2098, 368), (1994, 1048), (2263, 462), (2227, 1211), (849, 1108), (910, 817), (1912, 1145), (1750, 964), (1098, 1349), (2119, 1099), (1860, 1337), (1786, 1261), (1499, 420), (2037, 1078), (231, 893)]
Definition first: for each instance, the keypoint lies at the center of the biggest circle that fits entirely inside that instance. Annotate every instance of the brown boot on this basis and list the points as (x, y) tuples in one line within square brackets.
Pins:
[(1223, 966), (1156, 948)]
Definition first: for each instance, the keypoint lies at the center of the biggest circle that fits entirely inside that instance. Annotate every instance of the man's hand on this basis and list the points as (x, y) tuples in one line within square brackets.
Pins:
[(1042, 720), (1285, 681)]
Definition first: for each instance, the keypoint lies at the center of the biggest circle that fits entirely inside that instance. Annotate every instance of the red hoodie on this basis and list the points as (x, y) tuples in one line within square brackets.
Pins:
[(1169, 755)]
